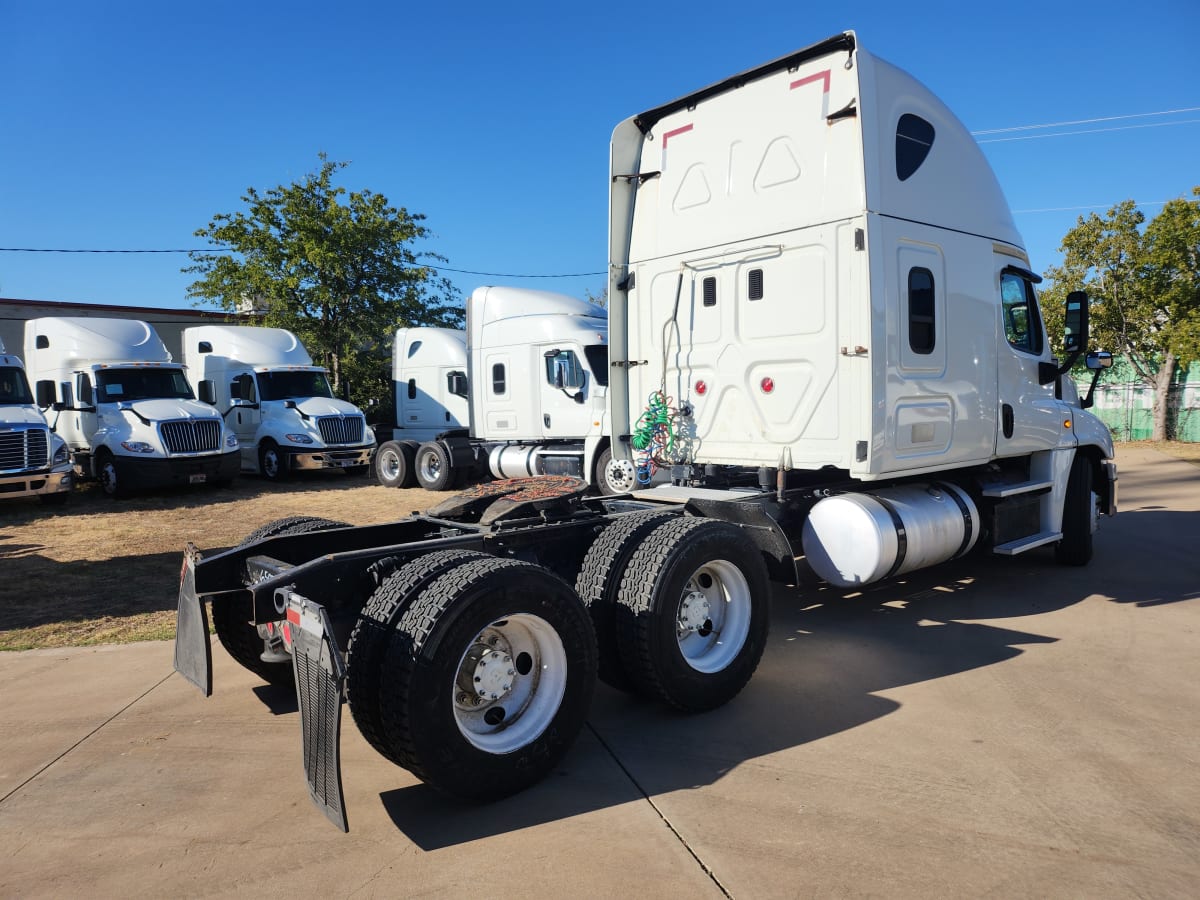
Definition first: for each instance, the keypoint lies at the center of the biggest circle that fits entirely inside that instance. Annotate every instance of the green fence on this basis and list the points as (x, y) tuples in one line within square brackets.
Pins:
[(1127, 409)]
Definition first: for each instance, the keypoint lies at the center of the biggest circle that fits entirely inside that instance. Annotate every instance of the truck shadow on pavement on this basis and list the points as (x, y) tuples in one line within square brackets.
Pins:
[(830, 655)]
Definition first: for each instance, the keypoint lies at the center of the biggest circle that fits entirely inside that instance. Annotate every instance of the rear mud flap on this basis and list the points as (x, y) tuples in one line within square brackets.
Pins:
[(193, 650), (320, 677)]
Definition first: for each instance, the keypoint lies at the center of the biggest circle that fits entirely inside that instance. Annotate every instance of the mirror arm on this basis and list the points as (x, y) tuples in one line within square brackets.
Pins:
[(1086, 402)]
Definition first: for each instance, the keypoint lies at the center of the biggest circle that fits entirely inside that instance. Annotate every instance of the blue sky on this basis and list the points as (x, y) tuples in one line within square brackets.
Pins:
[(129, 125)]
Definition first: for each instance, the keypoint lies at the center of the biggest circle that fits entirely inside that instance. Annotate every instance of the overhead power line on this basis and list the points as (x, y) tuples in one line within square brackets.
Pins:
[(1097, 206), (1165, 112), (1031, 137), (206, 250)]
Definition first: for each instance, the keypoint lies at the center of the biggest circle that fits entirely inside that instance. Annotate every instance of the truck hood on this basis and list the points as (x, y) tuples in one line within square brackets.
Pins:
[(162, 410), (323, 406), (20, 415)]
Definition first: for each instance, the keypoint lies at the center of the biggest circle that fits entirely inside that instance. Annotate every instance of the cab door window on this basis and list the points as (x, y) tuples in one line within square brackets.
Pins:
[(1019, 306)]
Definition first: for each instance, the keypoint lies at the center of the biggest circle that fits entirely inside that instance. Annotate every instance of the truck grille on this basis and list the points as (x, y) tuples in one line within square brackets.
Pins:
[(341, 429), (191, 435), (20, 450)]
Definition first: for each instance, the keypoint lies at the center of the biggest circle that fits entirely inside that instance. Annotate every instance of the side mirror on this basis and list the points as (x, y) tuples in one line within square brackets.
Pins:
[(456, 383), (85, 393), (207, 391), (235, 390), (1099, 360), (563, 377), (1075, 323), (45, 394)]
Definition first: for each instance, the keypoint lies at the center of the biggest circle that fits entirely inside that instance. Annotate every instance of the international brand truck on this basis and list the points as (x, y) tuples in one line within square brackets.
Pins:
[(109, 389), (276, 401), (521, 392), (33, 462), (822, 324)]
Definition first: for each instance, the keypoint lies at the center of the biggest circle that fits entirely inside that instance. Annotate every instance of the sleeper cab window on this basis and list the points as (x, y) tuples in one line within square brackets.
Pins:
[(914, 140), (498, 378), (1018, 302), (922, 327)]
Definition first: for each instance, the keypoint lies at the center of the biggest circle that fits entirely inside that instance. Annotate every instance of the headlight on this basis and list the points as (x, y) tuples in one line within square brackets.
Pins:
[(137, 446), (299, 438), (61, 455), (231, 441)]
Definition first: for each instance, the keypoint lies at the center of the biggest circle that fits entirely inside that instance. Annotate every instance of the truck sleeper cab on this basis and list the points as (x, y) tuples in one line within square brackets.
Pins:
[(33, 461), (276, 401), (818, 294), (129, 418)]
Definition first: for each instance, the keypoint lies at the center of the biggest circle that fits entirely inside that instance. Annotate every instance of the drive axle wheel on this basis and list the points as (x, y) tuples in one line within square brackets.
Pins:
[(488, 678), (434, 469), (246, 642), (372, 631), (692, 620), (394, 465)]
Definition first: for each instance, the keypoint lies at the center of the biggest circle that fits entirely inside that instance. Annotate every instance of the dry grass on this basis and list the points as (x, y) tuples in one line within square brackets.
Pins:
[(98, 571)]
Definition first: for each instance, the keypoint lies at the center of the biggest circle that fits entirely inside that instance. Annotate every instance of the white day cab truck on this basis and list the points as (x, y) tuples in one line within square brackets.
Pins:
[(822, 323), (33, 461), (109, 389), (276, 401), (520, 392)]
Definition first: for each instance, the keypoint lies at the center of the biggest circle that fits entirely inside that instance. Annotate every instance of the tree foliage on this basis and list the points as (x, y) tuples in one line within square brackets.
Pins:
[(1143, 281), (338, 268)]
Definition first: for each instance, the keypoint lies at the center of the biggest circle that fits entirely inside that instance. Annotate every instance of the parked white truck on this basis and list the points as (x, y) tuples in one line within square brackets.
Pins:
[(520, 392), (276, 401), (108, 387), (823, 323), (33, 462)]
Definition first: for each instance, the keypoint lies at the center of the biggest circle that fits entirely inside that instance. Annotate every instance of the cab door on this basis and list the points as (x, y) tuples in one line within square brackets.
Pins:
[(245, 418), (1030, 418), (564, 378)]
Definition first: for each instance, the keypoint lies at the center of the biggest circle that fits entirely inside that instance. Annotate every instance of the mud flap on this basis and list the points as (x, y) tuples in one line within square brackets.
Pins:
[(320, 677), (193, 650)]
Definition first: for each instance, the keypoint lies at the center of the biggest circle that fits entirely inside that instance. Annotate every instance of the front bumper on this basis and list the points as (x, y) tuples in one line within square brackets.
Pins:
[(58, 480), (154, 473), (330, 458)]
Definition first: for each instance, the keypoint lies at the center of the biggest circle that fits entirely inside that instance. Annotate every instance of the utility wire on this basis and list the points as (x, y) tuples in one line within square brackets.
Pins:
[(1031, 137), (209, 249), (1165, 112)]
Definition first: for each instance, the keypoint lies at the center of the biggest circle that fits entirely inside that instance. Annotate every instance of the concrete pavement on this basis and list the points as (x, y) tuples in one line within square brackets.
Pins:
[(992, 727)]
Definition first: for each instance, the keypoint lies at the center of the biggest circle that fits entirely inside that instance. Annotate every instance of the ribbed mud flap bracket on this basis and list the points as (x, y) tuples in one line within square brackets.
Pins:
[(193, 651), (320, 676)]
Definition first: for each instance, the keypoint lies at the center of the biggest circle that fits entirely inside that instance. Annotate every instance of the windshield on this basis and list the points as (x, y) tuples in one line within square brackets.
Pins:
[(14, 389), (292, 385), (115, 385), (597, 357)]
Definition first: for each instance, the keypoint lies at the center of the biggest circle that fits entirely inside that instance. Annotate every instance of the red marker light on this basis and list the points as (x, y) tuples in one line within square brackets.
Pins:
[(701, 388), (767, 385)]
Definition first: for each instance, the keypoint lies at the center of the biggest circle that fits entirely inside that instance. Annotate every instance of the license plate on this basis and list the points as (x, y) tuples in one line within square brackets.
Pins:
[(197, 479), (345, 463)]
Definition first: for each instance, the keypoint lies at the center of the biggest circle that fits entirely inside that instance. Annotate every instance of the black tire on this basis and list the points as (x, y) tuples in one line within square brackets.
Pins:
[(434, 469), (109, 474), (241, 639), (601, 480), (444, 637), (1075, 548), (684, 569), (599, 582), (272, 462), (394, 465), (372, 631)]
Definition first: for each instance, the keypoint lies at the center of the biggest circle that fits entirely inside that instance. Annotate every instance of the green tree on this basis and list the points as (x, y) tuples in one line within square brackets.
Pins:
[(1144, 288), (338, 268)]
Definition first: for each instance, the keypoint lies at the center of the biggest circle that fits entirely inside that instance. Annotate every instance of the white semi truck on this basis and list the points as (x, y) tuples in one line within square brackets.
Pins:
[(33, 461), (822, 323), (109, 389), (276, 401), (520, 392)]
